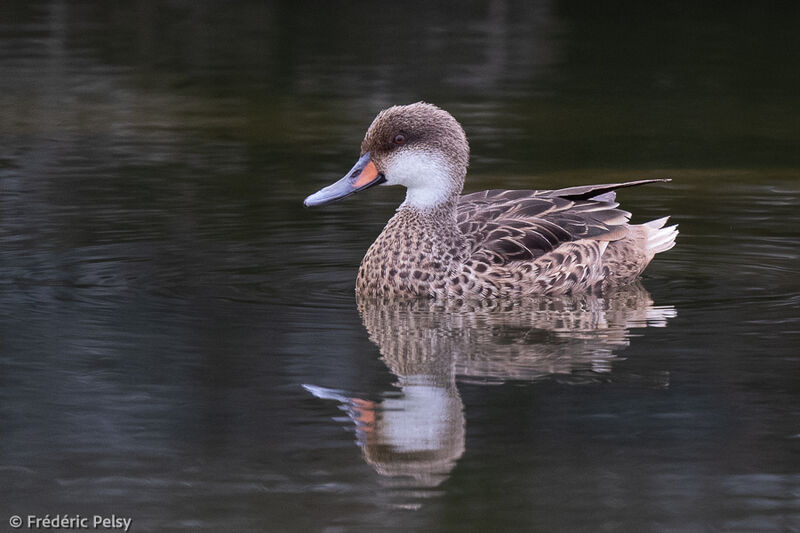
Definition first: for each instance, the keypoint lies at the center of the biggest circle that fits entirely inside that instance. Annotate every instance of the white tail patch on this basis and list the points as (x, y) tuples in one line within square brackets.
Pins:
[(660, 238), (658, 315)]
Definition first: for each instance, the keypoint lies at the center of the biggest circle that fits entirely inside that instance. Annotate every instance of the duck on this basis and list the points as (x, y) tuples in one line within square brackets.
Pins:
[(492, 244)]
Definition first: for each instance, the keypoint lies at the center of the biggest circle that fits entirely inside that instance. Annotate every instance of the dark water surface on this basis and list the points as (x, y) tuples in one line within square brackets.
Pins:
[(180, 342)]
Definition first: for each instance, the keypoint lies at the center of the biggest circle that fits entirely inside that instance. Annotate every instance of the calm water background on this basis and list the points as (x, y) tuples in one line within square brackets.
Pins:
[(164, 296)]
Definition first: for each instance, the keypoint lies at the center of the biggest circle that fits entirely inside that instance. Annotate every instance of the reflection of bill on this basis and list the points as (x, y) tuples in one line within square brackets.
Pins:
[(418, 434)]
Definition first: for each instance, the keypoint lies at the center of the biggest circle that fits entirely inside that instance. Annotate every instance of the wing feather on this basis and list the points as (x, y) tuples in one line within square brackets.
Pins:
[(504, 226)]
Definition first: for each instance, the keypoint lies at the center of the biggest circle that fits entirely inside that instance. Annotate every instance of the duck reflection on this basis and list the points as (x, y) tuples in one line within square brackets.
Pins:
[(417, 433)]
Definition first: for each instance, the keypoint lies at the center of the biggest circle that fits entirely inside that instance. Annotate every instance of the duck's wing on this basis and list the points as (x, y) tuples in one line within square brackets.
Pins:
[(505, 226), (590, 192)]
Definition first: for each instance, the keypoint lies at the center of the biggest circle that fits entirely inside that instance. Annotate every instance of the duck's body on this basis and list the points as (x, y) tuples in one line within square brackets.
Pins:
[(489, 244), (511, 243)]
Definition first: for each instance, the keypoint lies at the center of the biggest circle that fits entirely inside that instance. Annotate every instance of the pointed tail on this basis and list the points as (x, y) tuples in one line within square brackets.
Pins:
[(660, 238)]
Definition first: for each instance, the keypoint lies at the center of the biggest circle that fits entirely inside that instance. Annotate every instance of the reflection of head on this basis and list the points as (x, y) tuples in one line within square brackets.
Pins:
[(419, 434)]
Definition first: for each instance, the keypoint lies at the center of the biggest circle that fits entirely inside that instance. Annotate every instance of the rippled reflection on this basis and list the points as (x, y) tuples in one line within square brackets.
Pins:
[(418, 432)]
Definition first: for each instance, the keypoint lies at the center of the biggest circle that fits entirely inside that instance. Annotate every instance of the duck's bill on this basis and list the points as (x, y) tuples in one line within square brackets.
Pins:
[(362, 176)]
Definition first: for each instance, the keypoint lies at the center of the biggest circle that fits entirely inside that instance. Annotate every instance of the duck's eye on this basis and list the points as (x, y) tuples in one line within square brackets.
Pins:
[(399, 139)]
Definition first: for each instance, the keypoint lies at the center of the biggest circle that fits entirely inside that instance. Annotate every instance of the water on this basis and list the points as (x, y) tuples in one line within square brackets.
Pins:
[(179, 338)]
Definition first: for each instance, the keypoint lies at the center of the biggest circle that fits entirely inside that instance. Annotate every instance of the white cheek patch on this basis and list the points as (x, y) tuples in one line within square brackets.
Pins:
[(427, 177)]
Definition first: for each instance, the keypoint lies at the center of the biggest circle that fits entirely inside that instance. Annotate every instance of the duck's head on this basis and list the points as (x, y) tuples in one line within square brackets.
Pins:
[(418, 146)]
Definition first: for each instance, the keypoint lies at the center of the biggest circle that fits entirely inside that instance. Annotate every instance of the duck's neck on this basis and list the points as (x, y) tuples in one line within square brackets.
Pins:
[(431, 228), (442, 211), (429, 199), (432, 183)]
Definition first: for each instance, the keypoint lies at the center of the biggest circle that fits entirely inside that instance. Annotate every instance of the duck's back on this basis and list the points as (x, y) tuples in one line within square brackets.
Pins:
[(562, 239)]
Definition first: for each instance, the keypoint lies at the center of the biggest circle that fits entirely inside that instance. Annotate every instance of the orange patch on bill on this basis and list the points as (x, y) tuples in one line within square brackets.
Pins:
[(365, 411), (367, 175)]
